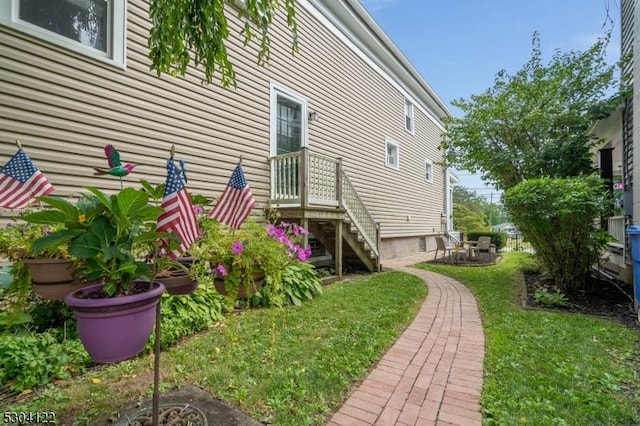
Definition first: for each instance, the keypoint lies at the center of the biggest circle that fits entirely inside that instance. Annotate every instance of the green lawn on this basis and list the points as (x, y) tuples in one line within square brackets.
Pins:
[(294, 366), (289, 366), (549, 368)]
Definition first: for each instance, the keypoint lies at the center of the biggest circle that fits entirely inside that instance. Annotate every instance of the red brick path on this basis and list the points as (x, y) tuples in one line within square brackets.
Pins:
[(433, 373)]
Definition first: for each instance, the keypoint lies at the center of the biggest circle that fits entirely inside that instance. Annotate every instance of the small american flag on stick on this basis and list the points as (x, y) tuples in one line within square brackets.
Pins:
[(236, 201), (21, 181), (178, 216)]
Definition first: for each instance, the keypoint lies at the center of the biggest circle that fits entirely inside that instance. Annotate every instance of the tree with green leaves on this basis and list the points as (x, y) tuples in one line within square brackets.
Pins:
[(467, 220), (492, 213), (529, 134), (535, 123), (185, 31)]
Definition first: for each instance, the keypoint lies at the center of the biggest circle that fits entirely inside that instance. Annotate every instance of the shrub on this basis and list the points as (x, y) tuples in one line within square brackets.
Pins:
[(28, 360), (497, 238), (545, 297), (300, 282), (188, 314), (557, 216)]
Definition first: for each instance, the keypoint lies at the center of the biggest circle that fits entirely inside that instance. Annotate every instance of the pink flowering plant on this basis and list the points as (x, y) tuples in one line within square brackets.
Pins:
[(241, 257), (290, 235)]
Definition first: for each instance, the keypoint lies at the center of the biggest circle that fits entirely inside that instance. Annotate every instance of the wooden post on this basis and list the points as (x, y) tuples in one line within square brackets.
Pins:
[(305, 237), (338, 251), (304, 178)]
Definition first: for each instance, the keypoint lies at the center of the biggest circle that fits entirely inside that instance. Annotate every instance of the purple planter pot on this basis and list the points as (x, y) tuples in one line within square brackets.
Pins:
[(116, 328)]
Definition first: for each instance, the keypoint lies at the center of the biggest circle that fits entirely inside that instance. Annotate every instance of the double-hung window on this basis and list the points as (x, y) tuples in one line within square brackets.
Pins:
[(408, 115), (94, 28), (392, 154), (428, 171)]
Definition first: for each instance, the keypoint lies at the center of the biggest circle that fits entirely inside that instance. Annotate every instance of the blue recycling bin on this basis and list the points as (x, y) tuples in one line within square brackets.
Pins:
[(634, 236)]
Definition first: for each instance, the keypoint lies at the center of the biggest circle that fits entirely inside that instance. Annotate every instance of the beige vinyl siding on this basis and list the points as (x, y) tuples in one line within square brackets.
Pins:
[(357, 110), (65, 108)]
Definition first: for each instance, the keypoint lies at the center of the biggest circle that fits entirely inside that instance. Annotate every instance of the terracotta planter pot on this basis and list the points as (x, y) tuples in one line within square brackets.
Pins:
[(52, 279), (258, 280), (57, 291), (116, 328), (50, 270)]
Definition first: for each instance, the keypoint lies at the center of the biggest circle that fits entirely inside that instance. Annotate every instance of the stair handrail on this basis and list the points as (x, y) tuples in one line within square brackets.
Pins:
[(359, 215), (452, 237)]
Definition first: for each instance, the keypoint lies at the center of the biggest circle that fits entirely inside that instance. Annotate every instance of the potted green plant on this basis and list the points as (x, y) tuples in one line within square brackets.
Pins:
[(174, 274), (51, 270), (241, 260), (116, 316)]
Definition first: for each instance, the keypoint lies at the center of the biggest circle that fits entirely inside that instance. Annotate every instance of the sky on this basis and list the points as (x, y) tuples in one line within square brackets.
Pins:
[(460, 45)]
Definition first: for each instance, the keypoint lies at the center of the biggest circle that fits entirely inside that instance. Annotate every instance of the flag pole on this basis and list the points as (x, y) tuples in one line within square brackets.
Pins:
[(156, 362)]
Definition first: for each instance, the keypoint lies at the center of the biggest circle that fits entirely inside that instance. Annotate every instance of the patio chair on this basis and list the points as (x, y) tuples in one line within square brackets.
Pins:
[(484, 246), (441, 246)]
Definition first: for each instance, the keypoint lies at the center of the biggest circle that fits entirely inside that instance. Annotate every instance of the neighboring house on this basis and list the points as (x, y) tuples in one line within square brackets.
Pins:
[(341, 137), (616, 159), (507, 227)]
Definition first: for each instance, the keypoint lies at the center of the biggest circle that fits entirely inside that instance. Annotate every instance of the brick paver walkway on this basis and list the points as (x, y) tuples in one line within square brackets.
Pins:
[(433, 373)]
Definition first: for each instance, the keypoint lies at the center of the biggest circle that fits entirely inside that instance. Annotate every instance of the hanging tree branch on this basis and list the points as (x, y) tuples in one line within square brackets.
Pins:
[(197, 30)]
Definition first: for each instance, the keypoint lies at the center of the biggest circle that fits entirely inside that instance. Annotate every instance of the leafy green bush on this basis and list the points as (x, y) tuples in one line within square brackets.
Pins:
[(557, 216), (28, 360), (497, 238), (300, 282), (185, 315), (545, 297)]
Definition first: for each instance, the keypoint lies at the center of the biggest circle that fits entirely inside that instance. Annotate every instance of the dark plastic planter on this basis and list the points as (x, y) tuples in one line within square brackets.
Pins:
[(116, 328), (179, 284)]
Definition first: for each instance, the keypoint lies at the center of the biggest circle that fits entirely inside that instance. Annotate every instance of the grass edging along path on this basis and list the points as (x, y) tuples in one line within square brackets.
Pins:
[(289, 366), (549, 368)]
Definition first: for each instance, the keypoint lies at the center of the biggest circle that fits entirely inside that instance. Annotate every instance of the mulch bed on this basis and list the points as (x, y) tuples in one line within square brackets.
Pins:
[(613, 300), (482, 260)]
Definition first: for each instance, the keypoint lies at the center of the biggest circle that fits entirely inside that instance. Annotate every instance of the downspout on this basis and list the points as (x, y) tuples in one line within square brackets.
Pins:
[(447, 201)]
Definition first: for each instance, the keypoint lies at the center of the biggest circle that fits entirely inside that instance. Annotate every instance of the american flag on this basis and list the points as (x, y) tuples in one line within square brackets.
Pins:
[(21, 181), (236, 201), (178, 216)]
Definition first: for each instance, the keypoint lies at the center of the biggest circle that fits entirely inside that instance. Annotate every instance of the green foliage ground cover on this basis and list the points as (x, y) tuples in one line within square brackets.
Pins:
[(549, 368), (286, 366)]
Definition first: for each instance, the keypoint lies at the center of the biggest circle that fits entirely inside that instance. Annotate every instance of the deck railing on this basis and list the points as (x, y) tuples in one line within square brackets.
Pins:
[(303, 179), (615, 228)]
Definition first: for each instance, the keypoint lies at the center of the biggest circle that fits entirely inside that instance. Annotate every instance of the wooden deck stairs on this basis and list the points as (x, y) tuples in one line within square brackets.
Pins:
[(313, 190)]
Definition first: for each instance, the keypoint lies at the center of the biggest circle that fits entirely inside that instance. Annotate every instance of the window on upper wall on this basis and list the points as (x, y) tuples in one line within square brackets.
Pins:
[(408, 115), (428, 171), (392, 154), (94, 28)]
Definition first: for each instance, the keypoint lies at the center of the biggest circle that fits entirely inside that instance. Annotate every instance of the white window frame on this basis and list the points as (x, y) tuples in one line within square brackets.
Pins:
[(396, 145), (116, 32), (428, 171), (276, 90), (409, 116)]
